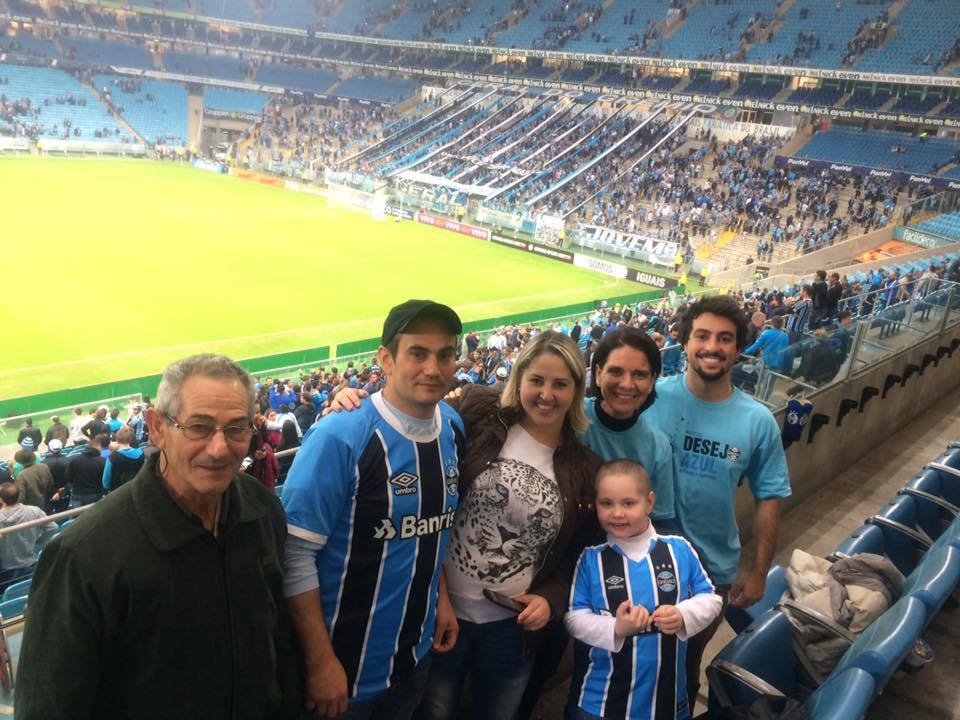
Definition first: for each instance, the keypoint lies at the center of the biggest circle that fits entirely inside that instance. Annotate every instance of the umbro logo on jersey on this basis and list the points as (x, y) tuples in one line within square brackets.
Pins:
[(614, 581), (404, 484)]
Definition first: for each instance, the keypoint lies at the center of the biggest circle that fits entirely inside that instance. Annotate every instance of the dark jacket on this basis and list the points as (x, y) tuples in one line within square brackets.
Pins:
[(151, 616), (58, 469), (575, 466), (35, 484), (85, 472), (57, 431), (32, 433), (305, 415), (95, 427)]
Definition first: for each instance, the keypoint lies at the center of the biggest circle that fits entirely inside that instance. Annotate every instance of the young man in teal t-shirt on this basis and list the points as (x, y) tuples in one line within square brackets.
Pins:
[(720, 436)]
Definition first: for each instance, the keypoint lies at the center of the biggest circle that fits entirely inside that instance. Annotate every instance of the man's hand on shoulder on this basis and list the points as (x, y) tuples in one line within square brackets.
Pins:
[(347, 399)]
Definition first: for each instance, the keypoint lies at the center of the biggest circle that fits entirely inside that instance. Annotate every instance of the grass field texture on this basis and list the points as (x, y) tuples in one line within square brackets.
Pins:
[(116, 267)]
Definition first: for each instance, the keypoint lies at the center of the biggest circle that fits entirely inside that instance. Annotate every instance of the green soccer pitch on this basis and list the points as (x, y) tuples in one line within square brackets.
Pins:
[(113, 268)]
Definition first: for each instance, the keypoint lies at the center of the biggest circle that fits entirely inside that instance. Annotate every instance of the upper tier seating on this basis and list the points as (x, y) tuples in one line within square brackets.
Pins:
[(232, 9), (829, 31), (218, 98), (313, 79), (26, 44), (610, 26), (214, 66), (920, 32), (712, 31), (98, 52), (876, 149), (377, 88)]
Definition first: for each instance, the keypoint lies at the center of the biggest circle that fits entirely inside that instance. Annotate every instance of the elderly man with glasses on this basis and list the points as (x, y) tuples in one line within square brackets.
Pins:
[(165, 599)]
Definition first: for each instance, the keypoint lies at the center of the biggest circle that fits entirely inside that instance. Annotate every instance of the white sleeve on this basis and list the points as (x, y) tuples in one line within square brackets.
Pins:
[(698, 612), (592, 629), (300, 571)]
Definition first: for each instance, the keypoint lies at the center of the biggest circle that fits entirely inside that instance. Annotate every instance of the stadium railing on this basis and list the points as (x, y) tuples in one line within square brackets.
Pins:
[(11, 425)]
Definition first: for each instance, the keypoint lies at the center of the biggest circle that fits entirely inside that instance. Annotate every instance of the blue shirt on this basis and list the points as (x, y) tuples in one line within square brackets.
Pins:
[(772, 344), (639, 441), (382, 504), (646, 679), (717, 444)]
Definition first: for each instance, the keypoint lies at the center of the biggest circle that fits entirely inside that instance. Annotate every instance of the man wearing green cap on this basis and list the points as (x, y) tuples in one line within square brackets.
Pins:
[(370, 501)]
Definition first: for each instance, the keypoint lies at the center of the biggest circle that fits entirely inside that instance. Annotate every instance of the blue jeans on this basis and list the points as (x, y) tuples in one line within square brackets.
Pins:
[(398, 702), (493, 654), (79, 499)]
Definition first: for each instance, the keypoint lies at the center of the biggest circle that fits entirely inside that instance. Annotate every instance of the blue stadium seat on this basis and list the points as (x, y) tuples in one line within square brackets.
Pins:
[(881, 648), (13, 607), (904, 542), (756, 664), (740, 618), (865, 539), (935, 501), (934, 579), (844, 696), (17, 590)]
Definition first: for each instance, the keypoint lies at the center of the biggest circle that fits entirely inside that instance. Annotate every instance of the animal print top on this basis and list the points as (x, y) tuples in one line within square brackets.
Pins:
[(503, 528)]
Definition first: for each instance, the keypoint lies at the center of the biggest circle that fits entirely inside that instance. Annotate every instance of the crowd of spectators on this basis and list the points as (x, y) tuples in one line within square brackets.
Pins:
[(22, 117), (314, 134), (871, 34)]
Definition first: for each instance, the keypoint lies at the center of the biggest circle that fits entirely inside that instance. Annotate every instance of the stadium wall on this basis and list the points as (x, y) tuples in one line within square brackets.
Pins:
[(919, 379)]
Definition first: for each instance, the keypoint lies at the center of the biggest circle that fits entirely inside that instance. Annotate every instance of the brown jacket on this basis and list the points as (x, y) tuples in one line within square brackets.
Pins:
[(574, 465), (35, 483)]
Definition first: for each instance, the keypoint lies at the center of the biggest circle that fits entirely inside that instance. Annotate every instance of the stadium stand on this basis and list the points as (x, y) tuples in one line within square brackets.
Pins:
[(758, 89), (814, 33), (377, 88), (231, 9), (867, 100), (922, 538), (921, 35), (213, 66), (155, 109), (881, 149), (622, 25), (49, 103), (712, 31), (29, 46), (947, 225), (288, 13), (313, 79), (97, 53), (245, 101), (817, 96)]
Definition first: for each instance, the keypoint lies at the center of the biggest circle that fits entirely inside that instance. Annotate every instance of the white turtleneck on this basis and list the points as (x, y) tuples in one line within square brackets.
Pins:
[(598, 630)]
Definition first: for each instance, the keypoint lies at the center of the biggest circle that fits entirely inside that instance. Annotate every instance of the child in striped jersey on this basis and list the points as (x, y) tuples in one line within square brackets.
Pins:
[(635, 601)]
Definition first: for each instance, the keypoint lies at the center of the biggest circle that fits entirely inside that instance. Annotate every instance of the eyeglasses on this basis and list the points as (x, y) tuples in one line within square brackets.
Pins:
[(205, 431)]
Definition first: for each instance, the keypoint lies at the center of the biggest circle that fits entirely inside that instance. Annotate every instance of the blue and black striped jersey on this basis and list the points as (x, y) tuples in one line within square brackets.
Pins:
[(382, 504)]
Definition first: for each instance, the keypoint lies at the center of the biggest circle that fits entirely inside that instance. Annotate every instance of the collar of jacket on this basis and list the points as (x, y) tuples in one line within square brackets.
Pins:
[(168, 526)]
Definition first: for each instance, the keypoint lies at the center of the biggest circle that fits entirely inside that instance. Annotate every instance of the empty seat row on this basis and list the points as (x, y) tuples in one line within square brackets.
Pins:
[(919, 531)]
